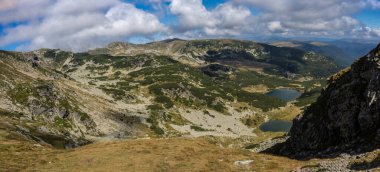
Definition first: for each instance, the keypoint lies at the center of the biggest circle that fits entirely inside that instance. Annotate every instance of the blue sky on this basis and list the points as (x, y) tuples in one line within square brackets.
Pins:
[(370, 17), (80, 25)]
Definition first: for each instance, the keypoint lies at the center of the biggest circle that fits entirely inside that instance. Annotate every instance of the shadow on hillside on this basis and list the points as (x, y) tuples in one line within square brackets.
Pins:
[(366, 165), (286, 150)]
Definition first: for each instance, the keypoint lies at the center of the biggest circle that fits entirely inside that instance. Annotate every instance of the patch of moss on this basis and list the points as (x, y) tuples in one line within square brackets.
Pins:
[(252, 146), (60, 122), (177, 119), (20, 94)]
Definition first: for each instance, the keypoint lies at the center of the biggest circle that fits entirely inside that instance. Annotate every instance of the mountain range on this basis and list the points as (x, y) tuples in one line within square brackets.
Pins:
[(222, 90)]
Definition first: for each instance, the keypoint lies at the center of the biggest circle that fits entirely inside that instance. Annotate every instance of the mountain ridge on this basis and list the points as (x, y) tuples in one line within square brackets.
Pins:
[(345, 118)]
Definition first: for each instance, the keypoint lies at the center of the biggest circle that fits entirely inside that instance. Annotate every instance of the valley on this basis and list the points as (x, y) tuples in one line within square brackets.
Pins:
[(189, 86), (127, 91), (166, 102)]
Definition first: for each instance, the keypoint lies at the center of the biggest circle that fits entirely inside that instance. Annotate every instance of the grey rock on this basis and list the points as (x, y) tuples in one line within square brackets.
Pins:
[(347, 114)]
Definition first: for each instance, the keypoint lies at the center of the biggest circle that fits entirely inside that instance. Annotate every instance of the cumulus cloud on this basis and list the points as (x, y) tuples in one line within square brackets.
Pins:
[(225, 19), (80, 24), (282, 17), (22, 10), (366, 32), (313, 16), (374, 4), (275, 26)]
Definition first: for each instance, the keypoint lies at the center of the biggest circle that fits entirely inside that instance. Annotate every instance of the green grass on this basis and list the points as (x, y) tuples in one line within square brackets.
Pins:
[(60, 122), (252, 146), (118, 94), (179, 78), (10, 114), (20, 94), (156, 129), (84, 116), (166, 101), (177, 119), (308, 97), (58, 56)]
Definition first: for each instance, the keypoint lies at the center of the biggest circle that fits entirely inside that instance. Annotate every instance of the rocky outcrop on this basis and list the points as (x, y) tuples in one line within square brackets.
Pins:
[(347, 114), (216, 70)]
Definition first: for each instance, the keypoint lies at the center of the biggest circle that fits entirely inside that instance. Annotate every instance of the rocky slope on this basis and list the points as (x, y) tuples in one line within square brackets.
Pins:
[(346, 117)]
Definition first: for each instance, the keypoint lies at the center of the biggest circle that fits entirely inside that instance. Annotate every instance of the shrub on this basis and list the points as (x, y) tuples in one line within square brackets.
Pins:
[(157, 130)]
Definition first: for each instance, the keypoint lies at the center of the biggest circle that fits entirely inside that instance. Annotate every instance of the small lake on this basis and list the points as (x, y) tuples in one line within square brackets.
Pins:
[(276, 126), (285, 94)]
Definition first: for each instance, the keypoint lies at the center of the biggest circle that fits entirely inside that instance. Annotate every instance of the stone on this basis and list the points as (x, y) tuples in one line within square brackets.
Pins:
[(243, 162)]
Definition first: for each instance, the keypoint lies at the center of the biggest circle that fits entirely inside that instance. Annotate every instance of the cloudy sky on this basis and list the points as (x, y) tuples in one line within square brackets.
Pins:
[(84, 24)]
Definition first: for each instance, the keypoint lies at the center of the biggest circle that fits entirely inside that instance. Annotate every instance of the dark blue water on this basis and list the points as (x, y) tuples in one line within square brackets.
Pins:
[(284, 94), (276, 126)]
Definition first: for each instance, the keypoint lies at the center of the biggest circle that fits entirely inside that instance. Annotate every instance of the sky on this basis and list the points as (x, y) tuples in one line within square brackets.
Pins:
[(79, 25)]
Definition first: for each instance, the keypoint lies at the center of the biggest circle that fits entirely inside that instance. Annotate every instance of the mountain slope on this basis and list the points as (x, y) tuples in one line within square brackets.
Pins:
[(167, 88), (232, 52), (340, 56), (355, 48), (345, 116)]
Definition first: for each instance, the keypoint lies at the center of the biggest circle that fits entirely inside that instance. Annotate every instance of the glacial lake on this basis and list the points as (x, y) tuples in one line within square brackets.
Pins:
[(285, 94), (276, 126)]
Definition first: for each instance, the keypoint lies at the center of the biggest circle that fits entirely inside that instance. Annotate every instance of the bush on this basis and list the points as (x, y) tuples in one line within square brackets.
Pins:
[(197, 128), (157, 130), (165, 101)]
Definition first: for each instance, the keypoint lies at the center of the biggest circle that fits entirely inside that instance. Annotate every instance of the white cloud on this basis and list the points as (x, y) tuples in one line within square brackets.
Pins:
[(68, 26), (192, 13), (83, 24), (22, 10), (283, 17), (225, 19), (308, 15), (73, 7), (366, 32), (374, 4), (275, 26)]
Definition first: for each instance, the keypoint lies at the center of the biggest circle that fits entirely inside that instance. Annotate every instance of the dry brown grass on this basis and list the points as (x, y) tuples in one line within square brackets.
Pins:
[(261, 88), (287, 113), (318, 43), (285, 44), (17, 154), (174, 154), (163, 155)]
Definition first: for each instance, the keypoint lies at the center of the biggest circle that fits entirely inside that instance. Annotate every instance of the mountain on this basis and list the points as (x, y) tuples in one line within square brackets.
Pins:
[(160, 89), (341, 57), (345, 118), (353, 47), (232, 52)]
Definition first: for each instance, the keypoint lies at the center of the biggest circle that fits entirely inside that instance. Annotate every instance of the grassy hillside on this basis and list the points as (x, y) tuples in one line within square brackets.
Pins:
[(161, 89)]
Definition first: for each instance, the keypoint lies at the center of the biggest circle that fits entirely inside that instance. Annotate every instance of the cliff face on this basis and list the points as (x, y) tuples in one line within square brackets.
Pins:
[(347, 114)]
